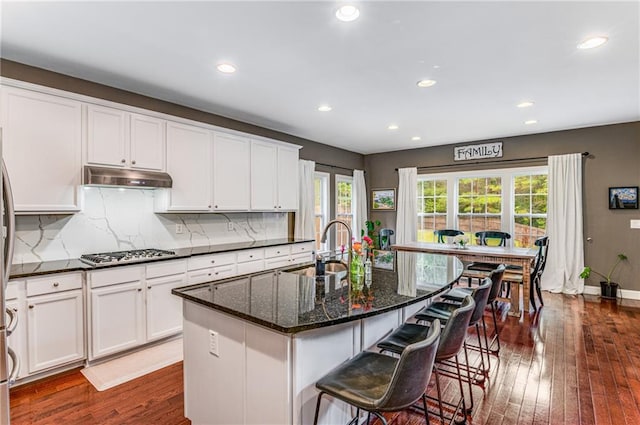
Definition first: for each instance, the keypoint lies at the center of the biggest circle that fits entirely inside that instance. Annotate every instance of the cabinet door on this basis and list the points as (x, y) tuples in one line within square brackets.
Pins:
[(42, 140), (117, 318), (147, 143), (55, 330), (164, 310), (18, 338), (287, 178), (106, 136), (231, 171), (264, 176), (189, 164)]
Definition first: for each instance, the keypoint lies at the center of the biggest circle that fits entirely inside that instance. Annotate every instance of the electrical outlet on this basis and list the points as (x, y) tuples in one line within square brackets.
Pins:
[(635, 224), (179, 228), (213, 343), (230, 226)]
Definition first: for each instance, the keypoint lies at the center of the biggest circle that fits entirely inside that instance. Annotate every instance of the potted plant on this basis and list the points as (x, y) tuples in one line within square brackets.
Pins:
[(608, 289), (372, 232)]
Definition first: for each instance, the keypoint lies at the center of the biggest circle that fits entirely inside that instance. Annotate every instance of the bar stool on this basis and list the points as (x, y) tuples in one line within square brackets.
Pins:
[(458, 294), (378, 383), (452, 338)]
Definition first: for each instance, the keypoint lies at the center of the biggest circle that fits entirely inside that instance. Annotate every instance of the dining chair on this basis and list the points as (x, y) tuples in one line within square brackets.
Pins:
[(442, 233), (513, 276), (452, 338), (379, 383), (480, 270)]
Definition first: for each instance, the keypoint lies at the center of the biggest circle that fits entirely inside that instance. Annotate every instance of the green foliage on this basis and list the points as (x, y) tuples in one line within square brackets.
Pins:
[(588, 270)]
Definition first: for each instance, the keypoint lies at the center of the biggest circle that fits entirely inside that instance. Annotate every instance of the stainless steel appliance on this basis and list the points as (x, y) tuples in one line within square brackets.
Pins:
[(103, 176), (120, 257), (9, 365)]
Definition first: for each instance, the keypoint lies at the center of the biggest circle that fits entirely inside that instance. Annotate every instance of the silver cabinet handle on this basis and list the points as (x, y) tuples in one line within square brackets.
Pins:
[(123, 160), (31, 306), (56, 284), (13, 320), (148, 287), (133, 162), (139, 289), (15, 369)]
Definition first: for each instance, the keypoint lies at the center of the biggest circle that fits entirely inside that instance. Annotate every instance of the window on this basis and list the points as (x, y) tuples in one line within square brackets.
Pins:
[(529, 208), (432, 207), (344, 208), (321, 209), (510, 200), (479, 204)]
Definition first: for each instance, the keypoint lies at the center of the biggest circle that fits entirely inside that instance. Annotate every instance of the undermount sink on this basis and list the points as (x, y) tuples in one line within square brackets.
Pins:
[(331, 268)]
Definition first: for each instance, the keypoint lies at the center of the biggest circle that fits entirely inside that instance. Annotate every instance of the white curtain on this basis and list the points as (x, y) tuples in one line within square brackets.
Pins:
[(407, 205), (305, 225), (407, 277), (564, 226), (360, 203)]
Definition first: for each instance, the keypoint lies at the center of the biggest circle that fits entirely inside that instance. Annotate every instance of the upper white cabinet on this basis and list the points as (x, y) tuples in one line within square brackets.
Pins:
[(274, 177), (231, 171), (118, 138), (42, 140), (189, 165)]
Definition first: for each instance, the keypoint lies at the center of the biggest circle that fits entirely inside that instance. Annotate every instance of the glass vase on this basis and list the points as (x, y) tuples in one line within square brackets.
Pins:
[(356, 273)]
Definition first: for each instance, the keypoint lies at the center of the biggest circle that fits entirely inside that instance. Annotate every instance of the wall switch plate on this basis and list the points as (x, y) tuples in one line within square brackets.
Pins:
[(213, 343), (179, 228), (230, 226), (635, 224)]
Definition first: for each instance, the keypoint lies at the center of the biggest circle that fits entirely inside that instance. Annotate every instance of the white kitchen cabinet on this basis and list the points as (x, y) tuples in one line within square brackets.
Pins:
[(189, 165), (55, 329), (207, 268), (231, 172), (117, 138), (274, 177), (117, 313), (42, 142), (163, 309)]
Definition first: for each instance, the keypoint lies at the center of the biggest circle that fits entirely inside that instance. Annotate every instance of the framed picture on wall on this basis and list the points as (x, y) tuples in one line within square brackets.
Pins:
[(622, 198), (383, 199)]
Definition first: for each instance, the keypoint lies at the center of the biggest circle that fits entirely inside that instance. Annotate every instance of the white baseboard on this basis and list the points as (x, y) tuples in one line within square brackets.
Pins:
[(624, 293)]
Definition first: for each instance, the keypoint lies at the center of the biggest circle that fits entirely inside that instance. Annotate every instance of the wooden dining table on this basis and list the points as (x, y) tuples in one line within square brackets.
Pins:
[(522, 257)]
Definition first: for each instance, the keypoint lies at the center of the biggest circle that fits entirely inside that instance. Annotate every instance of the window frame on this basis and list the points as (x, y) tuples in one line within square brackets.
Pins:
[(324, 206), (507, 176), (337, 179)]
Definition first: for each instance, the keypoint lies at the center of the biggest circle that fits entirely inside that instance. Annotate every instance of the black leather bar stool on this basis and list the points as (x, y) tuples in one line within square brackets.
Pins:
[(452, 338), (378, 383)]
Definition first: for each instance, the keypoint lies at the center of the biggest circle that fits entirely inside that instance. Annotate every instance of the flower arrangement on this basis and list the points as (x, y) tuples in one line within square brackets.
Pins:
[(461, 241)]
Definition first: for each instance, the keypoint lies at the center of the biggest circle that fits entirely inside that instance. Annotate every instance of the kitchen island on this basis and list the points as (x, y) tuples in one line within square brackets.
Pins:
[(254, 346)]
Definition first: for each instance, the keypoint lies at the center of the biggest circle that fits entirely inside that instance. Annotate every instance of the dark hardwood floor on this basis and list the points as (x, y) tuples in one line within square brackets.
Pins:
[(577, 361)]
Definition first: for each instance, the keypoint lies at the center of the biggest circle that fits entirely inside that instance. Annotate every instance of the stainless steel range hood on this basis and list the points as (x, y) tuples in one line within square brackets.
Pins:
[(103, 176)]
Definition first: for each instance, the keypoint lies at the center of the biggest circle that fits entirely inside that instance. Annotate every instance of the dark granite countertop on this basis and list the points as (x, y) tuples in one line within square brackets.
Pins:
[(60, 266), (295, 300)]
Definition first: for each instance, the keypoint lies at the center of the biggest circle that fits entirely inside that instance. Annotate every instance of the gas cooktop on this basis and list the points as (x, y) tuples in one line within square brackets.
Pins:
[(120, 257)]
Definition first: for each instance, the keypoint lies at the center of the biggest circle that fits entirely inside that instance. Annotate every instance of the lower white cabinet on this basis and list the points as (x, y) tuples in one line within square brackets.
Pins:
[(55, 329), (164, 310), (133, 305), (117, 318)]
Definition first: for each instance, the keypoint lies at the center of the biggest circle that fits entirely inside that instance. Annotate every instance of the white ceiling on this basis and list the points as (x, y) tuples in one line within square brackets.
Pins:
[(293, 56)]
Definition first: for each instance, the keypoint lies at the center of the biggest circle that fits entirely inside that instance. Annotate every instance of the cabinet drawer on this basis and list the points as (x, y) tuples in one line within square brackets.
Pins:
[(166, 268), (302, 247), (53, 283), (250, 255), (115, 275), (211, 274), (305, 257), (12, 289), (204, 261), (250, 267), (277, 251), (276, 262)]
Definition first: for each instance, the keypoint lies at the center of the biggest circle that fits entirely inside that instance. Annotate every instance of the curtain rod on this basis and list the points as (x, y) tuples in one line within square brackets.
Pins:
[(335, 166), (490, 162)]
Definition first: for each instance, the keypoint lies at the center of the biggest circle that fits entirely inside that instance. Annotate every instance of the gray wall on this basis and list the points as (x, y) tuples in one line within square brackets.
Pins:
[(614, 160)]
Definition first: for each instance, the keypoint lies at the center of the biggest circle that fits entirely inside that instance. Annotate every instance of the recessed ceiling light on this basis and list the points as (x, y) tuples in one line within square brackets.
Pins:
[(324, 108), (524, 104), (426, 83), (415, 138), (436, 66), (529, 122), (393, 127), (592, 42), (226, 68), (347, 13)]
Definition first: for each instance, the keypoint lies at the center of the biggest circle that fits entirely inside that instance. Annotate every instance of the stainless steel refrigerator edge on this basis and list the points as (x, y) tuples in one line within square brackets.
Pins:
[(8, 231)]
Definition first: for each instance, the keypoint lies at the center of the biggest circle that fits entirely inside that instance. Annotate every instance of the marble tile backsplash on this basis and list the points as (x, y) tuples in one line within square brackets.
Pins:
[(114, 219)]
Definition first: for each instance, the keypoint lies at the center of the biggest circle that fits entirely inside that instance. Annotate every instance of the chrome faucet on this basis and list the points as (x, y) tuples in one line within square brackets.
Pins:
[(323, 239)]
